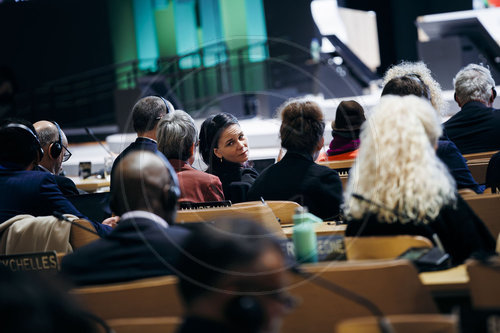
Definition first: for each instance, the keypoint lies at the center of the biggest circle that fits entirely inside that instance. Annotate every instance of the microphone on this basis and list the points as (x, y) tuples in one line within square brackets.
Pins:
[(90, 132), (383, 323), (435, 237), (61, 217)]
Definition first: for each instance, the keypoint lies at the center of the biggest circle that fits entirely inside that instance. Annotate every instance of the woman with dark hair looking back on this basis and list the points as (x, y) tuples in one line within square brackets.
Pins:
[(297, 177), (224, 148)]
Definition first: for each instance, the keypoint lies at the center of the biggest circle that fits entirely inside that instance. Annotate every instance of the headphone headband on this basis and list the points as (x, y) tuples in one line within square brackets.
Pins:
[(56, 147), (168, 105)]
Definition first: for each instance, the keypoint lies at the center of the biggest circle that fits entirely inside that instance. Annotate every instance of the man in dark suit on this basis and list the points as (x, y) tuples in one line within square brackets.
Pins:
[(143, 244), (177, 140), (146, 114), (25, 191), (55, 144), (475, 128)]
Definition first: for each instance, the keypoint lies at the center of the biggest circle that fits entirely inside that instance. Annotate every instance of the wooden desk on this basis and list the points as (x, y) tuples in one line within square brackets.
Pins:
[(322, 229), (451, 281), (90, 184)]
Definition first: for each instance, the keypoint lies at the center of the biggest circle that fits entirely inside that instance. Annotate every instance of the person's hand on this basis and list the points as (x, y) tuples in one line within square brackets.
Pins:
[(111, 221)]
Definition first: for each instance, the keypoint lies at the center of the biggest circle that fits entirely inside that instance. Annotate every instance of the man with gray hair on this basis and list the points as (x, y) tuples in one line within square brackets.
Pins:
[(177, 140), (146, 114), (475, 128)]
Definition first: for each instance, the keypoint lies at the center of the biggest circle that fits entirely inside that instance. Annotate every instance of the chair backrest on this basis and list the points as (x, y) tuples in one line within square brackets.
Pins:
[(93, 205), (282, 209), (478, 169), (259, 212), (153, 297), (382, 247), (478, 156), (484, 283), (79, 237), (487, 207), (416, 323), (142, 325), (338, 165), (394, 286)]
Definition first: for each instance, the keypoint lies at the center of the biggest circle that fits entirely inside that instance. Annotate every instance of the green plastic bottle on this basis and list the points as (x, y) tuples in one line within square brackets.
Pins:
[(304, 236)]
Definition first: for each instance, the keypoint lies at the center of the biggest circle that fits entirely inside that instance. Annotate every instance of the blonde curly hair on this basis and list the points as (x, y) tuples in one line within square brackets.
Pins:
[(424, 73), (397, 165)]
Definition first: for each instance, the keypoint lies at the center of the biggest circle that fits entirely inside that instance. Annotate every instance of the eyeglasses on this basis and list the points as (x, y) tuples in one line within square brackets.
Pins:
[(67, 154)]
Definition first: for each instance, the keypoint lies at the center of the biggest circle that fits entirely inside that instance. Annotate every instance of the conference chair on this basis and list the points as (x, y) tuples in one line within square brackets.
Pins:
[(79, 237), (478, 169), (484, 283), (145, 325), (152, 297), (282, 209), (258, 212), (382, 247), (416, 323), (344, 165), (393, 286), (487, 208), (478, 156)]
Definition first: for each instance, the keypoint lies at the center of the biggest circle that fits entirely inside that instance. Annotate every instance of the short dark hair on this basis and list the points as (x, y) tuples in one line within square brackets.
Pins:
[(406, 85), (302, 125), (147, 112), (212, 250), (19, 147), (210, 133)]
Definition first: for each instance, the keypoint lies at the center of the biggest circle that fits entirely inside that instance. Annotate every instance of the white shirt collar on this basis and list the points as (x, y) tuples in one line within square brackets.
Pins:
[(146, 215), (44, 168)]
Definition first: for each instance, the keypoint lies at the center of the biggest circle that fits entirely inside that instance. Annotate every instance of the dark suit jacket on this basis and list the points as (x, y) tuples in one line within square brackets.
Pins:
[(196, 185), (136, 248), (460, 230), (475, 128), (35, 193), (493, 173), (451, 157), (139, 144), (66, 185), (298, 178)]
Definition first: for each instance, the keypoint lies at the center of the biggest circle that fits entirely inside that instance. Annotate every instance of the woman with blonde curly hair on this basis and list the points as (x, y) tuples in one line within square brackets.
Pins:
[(397, 168), (296, 177)]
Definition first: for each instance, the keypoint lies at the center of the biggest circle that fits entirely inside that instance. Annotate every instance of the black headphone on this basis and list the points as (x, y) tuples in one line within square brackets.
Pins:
[(55, 148), (493, 93), (174, 192), (168, 105), (245, 311), (37, 146)]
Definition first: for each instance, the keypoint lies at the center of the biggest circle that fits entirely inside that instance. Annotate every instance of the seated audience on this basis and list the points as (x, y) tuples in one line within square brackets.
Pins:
[(296, 177), (146, 114), (233, 279), (345, 132), (55, 145), (493, 173), (224, 148), (415, 82), (143, 244), (475, 127), (410, 190), (177, 140), (25, 191)]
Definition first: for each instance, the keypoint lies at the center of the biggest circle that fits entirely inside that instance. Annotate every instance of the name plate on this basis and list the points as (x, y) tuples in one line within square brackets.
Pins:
[(329, 248), (28, 262)]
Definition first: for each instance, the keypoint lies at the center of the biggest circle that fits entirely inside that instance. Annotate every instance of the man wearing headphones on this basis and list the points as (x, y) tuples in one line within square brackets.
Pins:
[(475, 128), (233, 278), (25, 191), (55, 144), (146, 114), (144, 194)]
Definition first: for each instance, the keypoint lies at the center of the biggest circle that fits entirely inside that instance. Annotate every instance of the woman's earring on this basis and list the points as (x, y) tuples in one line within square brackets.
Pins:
[(221, 159)]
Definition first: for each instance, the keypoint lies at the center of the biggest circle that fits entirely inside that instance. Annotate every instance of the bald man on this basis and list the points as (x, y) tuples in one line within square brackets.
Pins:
[(55, 145), (143, 244)]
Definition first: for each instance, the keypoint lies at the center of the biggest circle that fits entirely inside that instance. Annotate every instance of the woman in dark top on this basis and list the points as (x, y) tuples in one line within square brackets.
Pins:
[(416, 80), (224, 148), (410, 189), (297, 177)]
